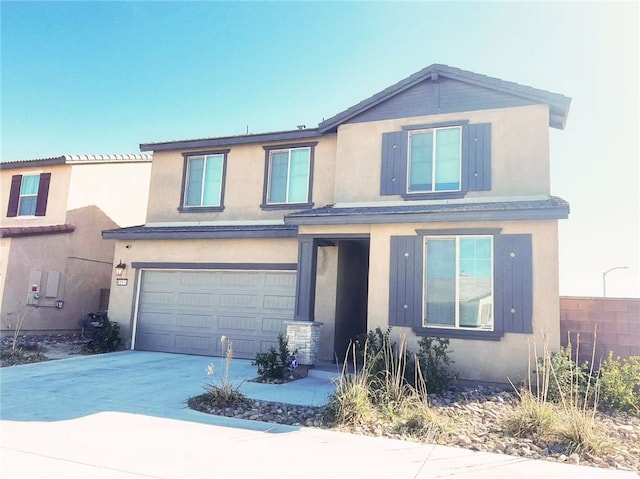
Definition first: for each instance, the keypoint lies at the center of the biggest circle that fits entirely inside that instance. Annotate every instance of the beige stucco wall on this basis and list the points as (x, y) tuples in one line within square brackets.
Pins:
[(120, 190), (243, 185), (91, 196), (519, 159), (83, 261), (325, 306), (122, 299), (474, 360), (56, 202)]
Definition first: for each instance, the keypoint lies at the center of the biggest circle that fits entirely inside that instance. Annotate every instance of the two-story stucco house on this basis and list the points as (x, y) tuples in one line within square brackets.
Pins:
[(426, 207), (54, 267)]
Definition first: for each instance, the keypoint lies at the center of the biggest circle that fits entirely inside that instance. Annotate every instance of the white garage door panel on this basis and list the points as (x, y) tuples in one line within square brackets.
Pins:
[(188, 311)]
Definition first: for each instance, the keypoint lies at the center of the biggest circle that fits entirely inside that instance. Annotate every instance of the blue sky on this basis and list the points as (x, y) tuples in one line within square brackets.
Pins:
[(103, 77)]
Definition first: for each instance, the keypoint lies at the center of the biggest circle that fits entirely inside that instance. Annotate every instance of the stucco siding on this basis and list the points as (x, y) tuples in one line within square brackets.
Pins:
[(474, 359), (120, 190), (83, 261), (57, 197), (519, 159), (243, 187)]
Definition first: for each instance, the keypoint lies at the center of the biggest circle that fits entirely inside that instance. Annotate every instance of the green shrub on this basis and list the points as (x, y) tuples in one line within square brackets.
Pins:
[(276, 365), (435, 364), (565, 380), (106, 337), (620, 383)]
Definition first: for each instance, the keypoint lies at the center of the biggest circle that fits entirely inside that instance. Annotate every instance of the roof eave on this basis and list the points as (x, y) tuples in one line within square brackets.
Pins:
[(291, 135)]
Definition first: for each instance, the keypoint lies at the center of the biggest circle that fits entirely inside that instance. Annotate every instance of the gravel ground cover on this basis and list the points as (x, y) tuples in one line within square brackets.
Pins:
[(472, 418)]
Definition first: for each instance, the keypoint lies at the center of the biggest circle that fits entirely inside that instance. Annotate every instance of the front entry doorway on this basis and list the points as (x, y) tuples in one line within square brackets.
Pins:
[(352, 283)]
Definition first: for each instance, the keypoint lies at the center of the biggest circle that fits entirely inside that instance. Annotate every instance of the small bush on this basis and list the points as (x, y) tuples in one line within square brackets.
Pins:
[(351, 403), (578, 430), (276, 365), (419, 421), (531, 418), (106, 337), (566, 379), (435, 364), (620, 383)]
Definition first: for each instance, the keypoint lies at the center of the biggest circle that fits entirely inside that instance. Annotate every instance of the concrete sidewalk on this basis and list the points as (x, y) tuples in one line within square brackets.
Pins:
[(123, 415)]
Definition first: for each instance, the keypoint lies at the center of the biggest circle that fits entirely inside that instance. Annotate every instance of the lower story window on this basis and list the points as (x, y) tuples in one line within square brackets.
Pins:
[(458, 286)]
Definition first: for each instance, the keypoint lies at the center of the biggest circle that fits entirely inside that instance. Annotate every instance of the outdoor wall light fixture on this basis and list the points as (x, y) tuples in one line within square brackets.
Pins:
[(120, 268)]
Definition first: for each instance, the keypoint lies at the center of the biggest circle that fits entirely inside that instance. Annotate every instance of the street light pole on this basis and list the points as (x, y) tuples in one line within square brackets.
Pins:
[(604, 278)]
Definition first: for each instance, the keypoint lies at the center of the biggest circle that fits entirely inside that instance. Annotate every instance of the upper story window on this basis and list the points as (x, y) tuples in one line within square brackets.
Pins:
[(28, 195), (204, 177), (458, 283), (434, 160), (288, 176), (438, 160)]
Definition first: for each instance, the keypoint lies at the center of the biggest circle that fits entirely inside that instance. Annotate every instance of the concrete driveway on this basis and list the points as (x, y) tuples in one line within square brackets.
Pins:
[(123, 415)]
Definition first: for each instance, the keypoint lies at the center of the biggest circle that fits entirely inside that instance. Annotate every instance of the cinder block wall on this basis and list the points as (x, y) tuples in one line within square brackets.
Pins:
[(614, 322)]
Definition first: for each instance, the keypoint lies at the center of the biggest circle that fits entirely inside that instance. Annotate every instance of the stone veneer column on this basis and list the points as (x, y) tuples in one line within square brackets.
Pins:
[(304, 336)]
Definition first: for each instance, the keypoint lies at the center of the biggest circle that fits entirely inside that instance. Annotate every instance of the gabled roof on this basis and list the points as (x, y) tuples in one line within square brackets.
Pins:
[(77, 159), (558, 104), (509, 93)]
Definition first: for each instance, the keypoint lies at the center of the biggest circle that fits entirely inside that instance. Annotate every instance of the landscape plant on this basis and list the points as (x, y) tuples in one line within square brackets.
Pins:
[(375, 396), (224, 392), (276, 365), (620, 383), (436, 364), (560, 404), (106, 337)]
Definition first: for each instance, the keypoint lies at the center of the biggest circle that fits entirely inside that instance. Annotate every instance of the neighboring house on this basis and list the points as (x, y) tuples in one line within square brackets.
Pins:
[(54, 267), (426, 208)]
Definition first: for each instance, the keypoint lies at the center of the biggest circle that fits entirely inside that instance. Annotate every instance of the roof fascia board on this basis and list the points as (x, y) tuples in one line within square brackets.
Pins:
[(233, 140), (209, 266), (11, 165), (370, 102), (440, 217)]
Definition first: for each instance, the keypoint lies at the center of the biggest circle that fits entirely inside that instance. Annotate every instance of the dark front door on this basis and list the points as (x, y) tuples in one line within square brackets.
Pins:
[(351, 294)]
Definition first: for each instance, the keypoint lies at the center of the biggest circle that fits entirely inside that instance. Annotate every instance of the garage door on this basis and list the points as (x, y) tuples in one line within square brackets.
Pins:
[(188, 311)]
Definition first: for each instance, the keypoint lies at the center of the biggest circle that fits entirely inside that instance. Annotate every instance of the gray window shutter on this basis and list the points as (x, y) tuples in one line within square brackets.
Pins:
[(476, 157), (393, 174), (14, 196), (513, 277), (405, 281), (43, 194)]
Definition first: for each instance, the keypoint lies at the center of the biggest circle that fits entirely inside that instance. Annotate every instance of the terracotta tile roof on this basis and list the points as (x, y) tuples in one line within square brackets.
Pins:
[(76, 159), (16, 231)]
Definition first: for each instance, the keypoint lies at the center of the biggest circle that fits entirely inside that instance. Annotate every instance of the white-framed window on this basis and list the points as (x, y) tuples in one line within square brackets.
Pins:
[(204, 180), (458, 282), (28, 195), (434, 160), (288, 176)]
